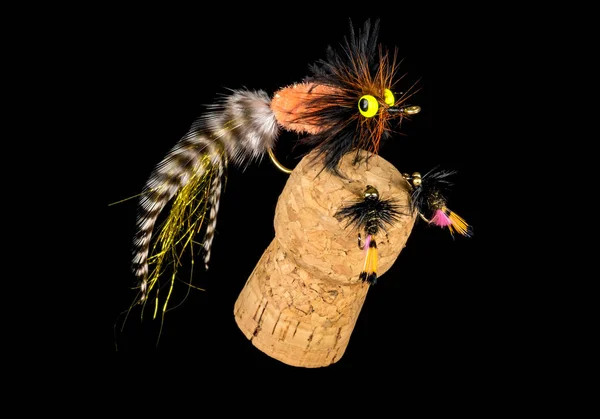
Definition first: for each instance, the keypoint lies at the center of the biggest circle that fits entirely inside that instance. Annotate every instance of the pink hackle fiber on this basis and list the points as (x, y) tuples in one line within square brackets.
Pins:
[(367, 243), (441, 219)]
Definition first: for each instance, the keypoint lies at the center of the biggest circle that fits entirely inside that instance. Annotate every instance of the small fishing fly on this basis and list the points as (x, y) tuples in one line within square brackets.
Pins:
[(370, 215), (351, 101), (427, 196)]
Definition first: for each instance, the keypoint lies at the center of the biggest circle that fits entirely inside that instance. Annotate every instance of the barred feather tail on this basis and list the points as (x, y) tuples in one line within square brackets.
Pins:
[(173, 173), (216, 189), (240, 128)]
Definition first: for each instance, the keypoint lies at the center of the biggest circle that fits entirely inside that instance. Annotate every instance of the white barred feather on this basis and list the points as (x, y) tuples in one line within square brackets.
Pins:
[(243, 125), (215, 198)]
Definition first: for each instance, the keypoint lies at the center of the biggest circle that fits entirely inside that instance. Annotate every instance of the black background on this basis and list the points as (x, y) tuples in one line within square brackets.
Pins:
[(430, 307)]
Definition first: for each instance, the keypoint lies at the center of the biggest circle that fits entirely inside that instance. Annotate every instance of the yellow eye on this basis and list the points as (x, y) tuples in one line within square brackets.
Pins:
[(389, 97), (368, 106)]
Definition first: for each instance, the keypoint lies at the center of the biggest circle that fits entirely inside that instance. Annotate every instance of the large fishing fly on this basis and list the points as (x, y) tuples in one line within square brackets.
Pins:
[(351, 101)]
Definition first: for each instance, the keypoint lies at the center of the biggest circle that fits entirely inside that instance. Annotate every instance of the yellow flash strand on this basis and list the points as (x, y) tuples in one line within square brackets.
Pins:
[(129, 198), (176, 234), (168, 294), (155, 306)]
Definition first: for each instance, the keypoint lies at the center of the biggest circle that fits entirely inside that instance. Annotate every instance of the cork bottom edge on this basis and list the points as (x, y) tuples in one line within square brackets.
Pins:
[(283, 352)]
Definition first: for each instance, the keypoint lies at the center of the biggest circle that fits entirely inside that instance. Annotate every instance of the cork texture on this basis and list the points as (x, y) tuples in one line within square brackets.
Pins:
[(302, 300)]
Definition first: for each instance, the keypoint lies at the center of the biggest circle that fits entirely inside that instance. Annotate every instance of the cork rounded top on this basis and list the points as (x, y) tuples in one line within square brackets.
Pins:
[(306, 226)]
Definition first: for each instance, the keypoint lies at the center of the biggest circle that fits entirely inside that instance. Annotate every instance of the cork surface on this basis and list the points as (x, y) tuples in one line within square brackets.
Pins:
[(302, 300)]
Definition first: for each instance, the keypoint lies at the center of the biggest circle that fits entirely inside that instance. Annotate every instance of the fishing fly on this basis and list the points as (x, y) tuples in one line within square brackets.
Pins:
[(370, 214), (427, 196), (350, 101)]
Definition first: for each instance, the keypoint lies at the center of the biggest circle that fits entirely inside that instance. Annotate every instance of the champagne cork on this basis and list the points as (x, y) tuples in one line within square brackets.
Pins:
[(301, 302)]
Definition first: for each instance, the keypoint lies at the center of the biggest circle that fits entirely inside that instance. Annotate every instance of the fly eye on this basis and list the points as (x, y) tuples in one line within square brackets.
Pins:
[(389, 98), (368, 106)]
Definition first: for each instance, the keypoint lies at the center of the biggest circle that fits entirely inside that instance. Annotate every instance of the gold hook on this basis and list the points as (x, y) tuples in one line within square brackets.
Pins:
[(276, 162), (423, 218)]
